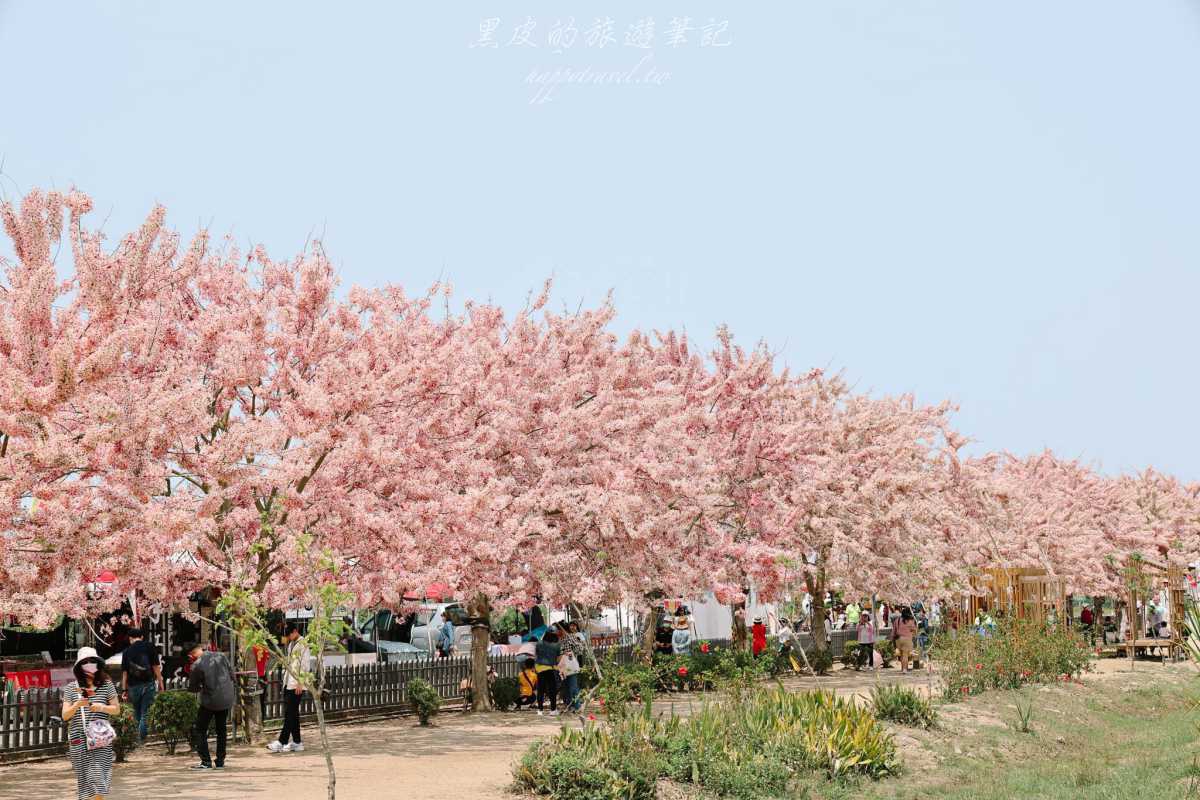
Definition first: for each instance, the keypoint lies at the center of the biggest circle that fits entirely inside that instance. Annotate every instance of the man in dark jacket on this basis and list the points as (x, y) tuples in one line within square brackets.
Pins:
[(212, 677), (141, 677)]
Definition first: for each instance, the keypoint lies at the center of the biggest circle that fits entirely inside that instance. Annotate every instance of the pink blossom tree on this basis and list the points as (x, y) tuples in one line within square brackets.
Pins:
[(854, 492), (95, 371)]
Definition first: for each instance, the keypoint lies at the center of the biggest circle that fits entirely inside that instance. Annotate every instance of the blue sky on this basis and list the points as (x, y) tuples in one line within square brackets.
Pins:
[(992, 202)]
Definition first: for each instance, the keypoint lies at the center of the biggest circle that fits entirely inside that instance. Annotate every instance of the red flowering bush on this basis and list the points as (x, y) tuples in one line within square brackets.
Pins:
[(1016, 653)]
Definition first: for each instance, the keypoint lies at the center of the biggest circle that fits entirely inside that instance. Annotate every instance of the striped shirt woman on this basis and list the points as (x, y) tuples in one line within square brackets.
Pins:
[(90, 696)]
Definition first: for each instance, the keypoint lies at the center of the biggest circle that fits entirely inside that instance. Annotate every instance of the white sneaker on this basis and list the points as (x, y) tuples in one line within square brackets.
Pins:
[(276, 747), (297, 747), (541, 713), (555, 713)]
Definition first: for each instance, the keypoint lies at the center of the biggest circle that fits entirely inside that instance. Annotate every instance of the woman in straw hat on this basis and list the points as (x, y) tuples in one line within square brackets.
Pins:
[(681, 638), (90, 696)]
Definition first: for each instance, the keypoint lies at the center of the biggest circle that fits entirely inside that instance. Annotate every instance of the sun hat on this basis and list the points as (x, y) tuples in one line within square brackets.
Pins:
[(86, 653), (758, 620)]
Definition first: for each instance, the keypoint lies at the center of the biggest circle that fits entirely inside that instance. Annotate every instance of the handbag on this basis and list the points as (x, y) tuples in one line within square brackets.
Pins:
[(99, 732), (568, 664)]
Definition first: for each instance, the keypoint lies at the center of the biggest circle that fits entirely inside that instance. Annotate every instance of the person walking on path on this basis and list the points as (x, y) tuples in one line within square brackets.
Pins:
[(905, 631), (90, 697), (141, 677), (758, 637), (297, 657), (546, 655), (571, 662), (922, 633), (212, 678), (866, 641)]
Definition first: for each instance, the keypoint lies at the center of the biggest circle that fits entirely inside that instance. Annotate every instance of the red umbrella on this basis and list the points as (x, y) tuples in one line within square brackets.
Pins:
[(106, 577), (434, 591)]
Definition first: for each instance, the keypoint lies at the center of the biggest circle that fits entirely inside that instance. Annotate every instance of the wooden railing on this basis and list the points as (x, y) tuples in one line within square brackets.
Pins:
[(29, 717)]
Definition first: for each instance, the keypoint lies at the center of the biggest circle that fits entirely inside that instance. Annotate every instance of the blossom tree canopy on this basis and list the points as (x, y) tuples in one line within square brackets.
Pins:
[(188, 416)]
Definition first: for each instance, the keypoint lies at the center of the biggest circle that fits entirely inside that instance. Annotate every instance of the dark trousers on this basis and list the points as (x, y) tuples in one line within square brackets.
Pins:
[(291, 717), (141, 697), (203, 718), (548, 687), (866, 654)]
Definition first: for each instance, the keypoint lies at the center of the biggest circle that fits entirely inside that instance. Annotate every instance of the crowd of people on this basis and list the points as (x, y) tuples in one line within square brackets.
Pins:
[(551, 657), (554, 670), (909, 626)]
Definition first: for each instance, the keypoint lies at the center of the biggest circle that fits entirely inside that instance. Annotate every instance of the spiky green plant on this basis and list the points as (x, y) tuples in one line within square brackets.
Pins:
[(902, 705)]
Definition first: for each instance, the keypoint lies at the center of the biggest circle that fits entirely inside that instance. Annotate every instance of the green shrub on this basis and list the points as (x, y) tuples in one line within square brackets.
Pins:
[(126, 728), (426, 702), (1018, 652), (850, 654), (903, 706), (821, 661), (567, 774), (623, 685), (818, 730), (172, 715), (752, 746), (758, 777), (887, 651), (613, 763), (505, 693)]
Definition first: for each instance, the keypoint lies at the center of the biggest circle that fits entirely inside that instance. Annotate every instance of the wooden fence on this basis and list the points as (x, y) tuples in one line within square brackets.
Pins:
[(29, 717)]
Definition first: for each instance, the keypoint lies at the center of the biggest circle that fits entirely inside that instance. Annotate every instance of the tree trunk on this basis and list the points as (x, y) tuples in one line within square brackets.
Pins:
[(321, 727), (252, 721), (816, 588), (1098, 618), (480, 609), (740, 640), (649, 633), (1133, 629)]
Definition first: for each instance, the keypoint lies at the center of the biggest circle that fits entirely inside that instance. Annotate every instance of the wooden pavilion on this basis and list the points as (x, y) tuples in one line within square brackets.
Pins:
[(1154, 582), (1020, 592)]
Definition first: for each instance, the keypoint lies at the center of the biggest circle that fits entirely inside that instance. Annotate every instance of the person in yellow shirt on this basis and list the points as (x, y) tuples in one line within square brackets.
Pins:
[(527, 681)]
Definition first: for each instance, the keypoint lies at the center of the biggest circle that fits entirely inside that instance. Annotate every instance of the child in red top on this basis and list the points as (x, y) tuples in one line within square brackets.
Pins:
[(758, 637)]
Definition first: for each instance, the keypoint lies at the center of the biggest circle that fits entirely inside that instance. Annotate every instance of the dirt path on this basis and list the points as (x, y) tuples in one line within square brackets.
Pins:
[(462, 758)]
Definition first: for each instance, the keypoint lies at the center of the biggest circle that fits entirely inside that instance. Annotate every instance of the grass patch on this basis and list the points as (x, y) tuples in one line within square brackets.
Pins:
[(1128, 738)]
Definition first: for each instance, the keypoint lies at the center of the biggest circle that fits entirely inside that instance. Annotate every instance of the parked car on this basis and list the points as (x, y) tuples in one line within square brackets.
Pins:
[(394, 631), (402, 651), (429, 620)]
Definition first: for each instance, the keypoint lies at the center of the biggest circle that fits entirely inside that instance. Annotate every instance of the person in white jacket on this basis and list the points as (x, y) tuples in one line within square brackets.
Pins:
[(298, 657)]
